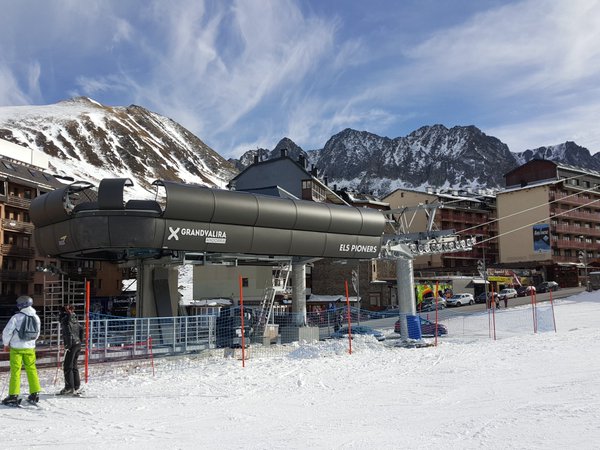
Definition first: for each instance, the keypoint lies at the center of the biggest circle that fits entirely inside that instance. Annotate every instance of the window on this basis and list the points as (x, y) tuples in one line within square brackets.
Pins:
[(9, 166), (244, 282)]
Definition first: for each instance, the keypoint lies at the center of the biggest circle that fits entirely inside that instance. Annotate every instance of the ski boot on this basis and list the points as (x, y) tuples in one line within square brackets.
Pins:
[(11, 400), (33, 398), (66, 391)]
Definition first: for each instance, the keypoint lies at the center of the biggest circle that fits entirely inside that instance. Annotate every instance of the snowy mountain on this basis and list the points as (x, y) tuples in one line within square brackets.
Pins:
[(432, 156), (567, 153), (90, 141)]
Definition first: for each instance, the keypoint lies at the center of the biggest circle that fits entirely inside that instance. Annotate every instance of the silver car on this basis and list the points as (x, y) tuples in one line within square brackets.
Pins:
[(507, 293), (460, 299)]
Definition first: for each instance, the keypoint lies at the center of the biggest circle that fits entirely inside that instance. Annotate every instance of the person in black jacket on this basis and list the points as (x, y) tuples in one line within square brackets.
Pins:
[(72, 334)]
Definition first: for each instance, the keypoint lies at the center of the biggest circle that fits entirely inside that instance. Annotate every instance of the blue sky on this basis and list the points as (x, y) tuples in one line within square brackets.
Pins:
[(244, 74)]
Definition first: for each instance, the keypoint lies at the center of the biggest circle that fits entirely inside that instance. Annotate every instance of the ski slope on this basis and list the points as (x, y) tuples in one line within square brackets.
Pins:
[(525, 391)]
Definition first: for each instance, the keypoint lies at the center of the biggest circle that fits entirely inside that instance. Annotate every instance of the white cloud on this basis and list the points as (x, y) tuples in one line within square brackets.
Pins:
[(577, 123), (10, 92), (253, 71)]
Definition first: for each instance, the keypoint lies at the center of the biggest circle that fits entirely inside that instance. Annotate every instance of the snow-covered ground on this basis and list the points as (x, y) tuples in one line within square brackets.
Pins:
[(524, 391)]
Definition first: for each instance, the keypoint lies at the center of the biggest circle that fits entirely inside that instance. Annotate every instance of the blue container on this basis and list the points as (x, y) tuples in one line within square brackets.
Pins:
[(413, 323)]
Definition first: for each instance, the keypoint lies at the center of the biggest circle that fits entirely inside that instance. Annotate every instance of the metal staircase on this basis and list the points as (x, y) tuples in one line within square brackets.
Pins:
[(281, 275)]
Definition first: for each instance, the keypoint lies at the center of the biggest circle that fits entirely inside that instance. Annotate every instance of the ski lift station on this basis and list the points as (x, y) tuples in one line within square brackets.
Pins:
[(80, 221)]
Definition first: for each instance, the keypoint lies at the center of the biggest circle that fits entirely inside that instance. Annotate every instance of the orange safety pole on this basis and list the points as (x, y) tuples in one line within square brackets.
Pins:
[(87, 329), (437, 288), (349, 318), (494, 313), (242, 317)]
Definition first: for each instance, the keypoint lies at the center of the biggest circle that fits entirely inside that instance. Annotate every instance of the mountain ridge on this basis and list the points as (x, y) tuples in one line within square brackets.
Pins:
[(90, 141)]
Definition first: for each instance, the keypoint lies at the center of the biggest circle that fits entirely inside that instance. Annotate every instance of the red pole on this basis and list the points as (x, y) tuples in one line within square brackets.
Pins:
[(242, 319), (494, 313), (87, 329), (349, 318), (437, 287)]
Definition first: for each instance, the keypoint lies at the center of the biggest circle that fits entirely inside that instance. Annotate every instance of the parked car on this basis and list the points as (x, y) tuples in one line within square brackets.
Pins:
[(460, 299), (482, 299), (427, 328), (429, 304), (547, 286), (359, 329), (525, 291), (507, 293)]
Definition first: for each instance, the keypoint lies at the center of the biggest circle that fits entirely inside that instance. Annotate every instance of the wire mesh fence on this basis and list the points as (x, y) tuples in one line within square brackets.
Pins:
[(230, 333)]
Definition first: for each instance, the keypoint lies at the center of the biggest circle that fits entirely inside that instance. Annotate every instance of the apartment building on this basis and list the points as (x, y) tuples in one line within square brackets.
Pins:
[(23, 176), (550, 221)]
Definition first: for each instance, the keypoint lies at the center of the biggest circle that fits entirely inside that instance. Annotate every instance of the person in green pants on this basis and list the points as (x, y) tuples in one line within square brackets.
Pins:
[(22, 353)]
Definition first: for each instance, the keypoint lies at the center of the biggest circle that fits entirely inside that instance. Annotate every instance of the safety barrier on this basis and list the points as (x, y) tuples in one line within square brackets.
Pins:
[(117, 338)]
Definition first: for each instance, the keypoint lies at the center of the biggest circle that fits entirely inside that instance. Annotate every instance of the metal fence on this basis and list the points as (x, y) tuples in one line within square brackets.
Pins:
[(117, 338), (131, 337)]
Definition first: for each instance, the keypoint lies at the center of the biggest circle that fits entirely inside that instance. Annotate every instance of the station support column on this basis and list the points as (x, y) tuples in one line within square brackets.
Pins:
[(299, 293), (406, 293)]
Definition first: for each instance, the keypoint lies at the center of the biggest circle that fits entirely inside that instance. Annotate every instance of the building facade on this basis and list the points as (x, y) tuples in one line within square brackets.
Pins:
[(24, 176), (550, 221)]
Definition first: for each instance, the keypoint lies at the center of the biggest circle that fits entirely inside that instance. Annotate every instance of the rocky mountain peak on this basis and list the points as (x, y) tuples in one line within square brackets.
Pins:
[(97, 141)]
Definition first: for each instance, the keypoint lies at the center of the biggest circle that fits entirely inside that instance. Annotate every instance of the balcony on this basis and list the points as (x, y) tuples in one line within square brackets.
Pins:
[(15, 250), (15, 225), (575, 200), (18, 202), (569, 229), (567, 214)]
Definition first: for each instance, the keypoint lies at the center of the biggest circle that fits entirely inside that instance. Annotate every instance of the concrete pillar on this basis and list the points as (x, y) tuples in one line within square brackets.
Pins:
[(405, 285), (145, 306), (299, 293), (157, 294)]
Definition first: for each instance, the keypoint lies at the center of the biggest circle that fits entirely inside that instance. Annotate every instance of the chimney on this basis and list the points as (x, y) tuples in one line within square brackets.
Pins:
[(325, 180), (302, 161), (284, 152), (256, 158), (335, 188)]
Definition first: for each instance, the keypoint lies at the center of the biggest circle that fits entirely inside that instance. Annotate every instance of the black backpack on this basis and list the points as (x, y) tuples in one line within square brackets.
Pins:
[(29, 329)]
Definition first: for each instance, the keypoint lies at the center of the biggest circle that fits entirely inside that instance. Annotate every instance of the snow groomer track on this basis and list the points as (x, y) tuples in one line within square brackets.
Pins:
[(82, 222)]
